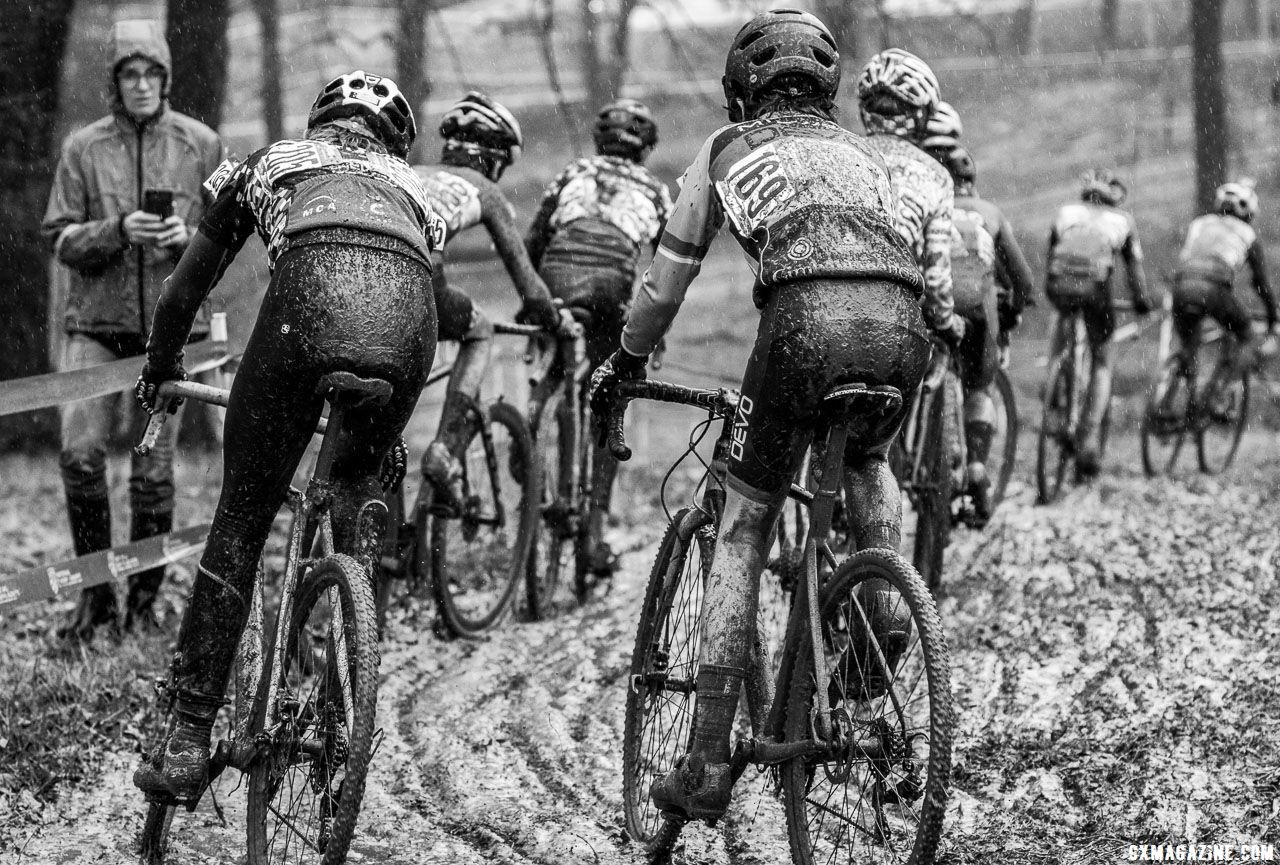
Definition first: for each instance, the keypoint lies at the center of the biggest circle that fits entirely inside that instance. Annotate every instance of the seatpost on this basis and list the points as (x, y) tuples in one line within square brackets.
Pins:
[(329, 444)]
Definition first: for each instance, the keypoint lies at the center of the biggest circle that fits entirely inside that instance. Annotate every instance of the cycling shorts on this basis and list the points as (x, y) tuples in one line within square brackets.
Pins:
[(815, 335), (603, 292), (455, 311), (1095, 305), (979, 354), (1194, 298)]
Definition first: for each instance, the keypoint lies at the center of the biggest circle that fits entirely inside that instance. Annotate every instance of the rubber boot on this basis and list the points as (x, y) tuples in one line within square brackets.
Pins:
[(178, 771), (145, 586), (90, 518)]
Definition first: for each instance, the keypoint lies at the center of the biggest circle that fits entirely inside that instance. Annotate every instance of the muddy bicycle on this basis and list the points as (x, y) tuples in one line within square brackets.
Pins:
[(301, 726), (473, 559), (860, 742)]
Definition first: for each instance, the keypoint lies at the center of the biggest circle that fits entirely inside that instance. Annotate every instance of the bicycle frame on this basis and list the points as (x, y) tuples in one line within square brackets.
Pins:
[(942, 374)]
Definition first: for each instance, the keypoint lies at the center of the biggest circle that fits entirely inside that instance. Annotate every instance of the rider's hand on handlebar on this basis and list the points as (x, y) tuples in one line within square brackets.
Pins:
[(539, 310), (620, 366), (147, 388), (1142, 305)]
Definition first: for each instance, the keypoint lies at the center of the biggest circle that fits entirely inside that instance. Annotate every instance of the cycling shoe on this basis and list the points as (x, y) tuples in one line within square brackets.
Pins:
[(686, 794)]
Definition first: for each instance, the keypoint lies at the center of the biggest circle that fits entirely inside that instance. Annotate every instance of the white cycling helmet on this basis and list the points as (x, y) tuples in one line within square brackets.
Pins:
[(1237, 198), (897, 92), (374, 97), (944, 129)]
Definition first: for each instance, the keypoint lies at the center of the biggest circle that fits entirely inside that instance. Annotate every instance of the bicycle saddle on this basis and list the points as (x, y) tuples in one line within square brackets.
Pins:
[(848, 402), (353, 391)]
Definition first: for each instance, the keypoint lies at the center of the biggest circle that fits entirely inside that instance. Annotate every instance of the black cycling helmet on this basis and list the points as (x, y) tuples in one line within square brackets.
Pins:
[(1103, 187), (625, 127), (961, 166), (780, 42), (478, 126), (376, 99)]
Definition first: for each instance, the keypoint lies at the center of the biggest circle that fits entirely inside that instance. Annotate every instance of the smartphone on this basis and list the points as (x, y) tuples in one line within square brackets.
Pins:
[(158, 202)]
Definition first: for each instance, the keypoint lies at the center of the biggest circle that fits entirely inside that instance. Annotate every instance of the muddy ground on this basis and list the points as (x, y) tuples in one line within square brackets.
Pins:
[(1116, 663)]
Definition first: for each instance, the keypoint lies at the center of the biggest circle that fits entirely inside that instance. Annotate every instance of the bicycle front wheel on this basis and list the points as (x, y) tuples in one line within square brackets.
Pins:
[(306, 785), (1225, 412), (877, 792), (479, 556), (661, 692), (1055, 448), (1164, 420), (561, 522), (933, 488)]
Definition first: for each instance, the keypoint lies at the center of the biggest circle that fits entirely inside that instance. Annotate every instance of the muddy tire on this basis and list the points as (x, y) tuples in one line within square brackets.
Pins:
[(479, 557), (153, 841), (933, 489), (661, 697), (557, 549), (887, 808), (1161, 443), (1055, 450), (1218, 440), (306, 787), (1005, 444)]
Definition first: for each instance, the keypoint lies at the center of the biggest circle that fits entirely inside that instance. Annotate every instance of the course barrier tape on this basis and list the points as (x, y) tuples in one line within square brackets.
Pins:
[(65, 579), (56, 388)]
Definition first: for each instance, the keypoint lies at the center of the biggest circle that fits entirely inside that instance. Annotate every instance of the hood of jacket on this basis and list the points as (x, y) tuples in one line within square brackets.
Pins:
[(138, 38)]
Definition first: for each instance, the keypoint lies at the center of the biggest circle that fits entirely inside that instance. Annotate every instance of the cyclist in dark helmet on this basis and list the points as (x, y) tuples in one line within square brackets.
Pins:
[(1086, 239), (838, 289), (481, 138), (595, 220), (349, 234), (1219, 246), (992, 284)]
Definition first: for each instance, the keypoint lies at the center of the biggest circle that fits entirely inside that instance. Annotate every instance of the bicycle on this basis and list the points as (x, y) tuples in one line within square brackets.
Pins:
[(559, 418), (306, 680), (1068, 382), (473, 559), (865, 728), (1215, 413), (931, 459)]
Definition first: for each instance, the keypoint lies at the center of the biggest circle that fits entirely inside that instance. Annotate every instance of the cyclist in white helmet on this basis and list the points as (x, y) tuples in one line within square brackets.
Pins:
[(1218, 248), (897, 94)]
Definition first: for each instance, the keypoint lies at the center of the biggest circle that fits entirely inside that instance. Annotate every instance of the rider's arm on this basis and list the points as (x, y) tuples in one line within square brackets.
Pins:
[(695, 219), (539, 234), (1261, 282), (939, 306), (499, 218), (1013, 271), (1131, 252), (226, 225), (77, 240)]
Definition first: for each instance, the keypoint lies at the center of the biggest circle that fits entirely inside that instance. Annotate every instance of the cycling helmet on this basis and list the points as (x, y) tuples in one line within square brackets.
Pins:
[(1237, 199), (625, 127), (375, 98), (780, 42), (960, 166), (943, 129), (904, 84), (1102, 186), (478, 126)]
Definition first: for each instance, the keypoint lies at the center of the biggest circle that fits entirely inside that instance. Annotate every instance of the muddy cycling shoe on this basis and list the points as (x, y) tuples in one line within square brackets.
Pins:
[(980, 494), (859, 675), (604, 561), (444, 472), (179, 771), (1088, 463), (688, 794)]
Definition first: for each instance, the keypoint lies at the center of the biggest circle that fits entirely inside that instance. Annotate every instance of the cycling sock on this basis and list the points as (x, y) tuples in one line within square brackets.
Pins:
[(978, 435), (718, 690)]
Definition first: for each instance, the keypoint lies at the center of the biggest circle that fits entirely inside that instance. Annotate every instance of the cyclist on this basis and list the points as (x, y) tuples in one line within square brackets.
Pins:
[(586, 240), (943, 131), (897, 93), (481, 138), (984, 255), (838, 290), (1084, 242), (1218, 247), (349, 233)]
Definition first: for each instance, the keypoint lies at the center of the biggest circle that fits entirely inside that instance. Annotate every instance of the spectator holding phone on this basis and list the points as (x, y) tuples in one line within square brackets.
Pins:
[(126, 198)]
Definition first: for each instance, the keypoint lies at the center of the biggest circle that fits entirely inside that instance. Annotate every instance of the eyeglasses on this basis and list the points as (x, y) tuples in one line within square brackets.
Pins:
[(132, 77)]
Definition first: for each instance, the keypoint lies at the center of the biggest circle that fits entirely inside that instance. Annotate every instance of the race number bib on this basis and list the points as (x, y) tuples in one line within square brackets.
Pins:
[(756, 190)]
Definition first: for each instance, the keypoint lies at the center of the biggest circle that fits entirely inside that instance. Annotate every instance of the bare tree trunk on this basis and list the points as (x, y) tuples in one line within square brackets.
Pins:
[(1026, 29), (197, 34), (1258, 18), (268, 12), (620, 53), (842, 18), (411, 50), (1209, 99), (1109, 25), (33, 35), (589, 48)]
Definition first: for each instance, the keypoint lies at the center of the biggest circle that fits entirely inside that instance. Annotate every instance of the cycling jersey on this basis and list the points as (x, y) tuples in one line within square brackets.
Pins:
[(804, 198), (922, 216), (599, 210), (464, 198), (292, 187), (991, 254), (1084, 242), (1219, 247)]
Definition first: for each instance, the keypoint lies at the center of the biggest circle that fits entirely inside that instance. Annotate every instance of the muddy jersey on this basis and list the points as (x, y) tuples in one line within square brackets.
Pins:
[(292, 187), (803, 197), (923, 193), (984, 254), (600, 198)]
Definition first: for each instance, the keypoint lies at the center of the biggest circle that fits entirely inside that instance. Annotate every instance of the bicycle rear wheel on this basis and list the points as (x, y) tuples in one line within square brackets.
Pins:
[(1004, 445), (661, 692), (153, 841), (561, 524), (879, 795), (1164, 420), (1055, 448), (1225, 410), (933, 488), (307, 783), (479, 556)]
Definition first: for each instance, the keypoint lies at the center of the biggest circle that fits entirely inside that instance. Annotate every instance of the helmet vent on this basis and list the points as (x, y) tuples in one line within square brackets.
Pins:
[(749, 39), (824, 58), (380, 90), (762, 57)]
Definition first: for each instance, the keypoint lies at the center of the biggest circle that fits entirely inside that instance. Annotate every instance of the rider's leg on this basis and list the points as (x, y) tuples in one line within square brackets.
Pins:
[(441, 463), (1099, 319), (980, 358)]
